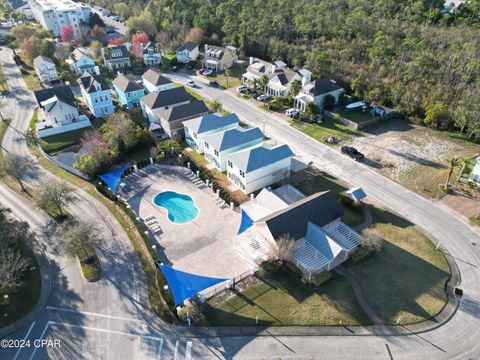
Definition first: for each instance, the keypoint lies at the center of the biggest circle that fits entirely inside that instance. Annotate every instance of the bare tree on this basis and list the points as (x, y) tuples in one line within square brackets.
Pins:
[(17, 167), (284, 247), (54, 194), (12, 268), (78, 237), (372, 239)]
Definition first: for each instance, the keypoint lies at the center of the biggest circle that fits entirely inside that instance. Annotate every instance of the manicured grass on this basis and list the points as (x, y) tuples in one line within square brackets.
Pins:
[(92, 269), (234, 78), (281, 300), (21, 302), (355, 116), (406, 279), (327, 127), (170, 57), (32, 82)]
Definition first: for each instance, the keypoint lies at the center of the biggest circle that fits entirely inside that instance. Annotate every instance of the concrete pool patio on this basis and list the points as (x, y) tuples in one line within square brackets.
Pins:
[(203, 246)]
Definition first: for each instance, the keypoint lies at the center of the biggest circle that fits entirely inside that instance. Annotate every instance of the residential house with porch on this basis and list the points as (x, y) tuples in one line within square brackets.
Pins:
[(156, 102), (153, 80), (150, 55), (218, 58), (255, 168), (58, 112), (45, 69), (219, 145), (96, 94), (128, 92), (117, 57), (80, 61), (280, 82), (475, 174), (171, 120), (321, 241), (187, 52), (315, 92), (256, 70), (196, 129)]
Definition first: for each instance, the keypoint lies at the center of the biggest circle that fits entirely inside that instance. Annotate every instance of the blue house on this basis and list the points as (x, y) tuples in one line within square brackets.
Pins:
[(81, 62), (128, 91)]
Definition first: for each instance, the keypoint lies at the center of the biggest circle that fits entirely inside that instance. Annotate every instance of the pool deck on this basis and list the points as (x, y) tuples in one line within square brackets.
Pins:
[(203, 246)]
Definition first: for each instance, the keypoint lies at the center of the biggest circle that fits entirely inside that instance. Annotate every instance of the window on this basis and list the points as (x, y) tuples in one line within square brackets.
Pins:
[(128, 95), (206, 145), (101, 98), (242, 174), (195, 135), (230, 164), (96, 100), (216, 153)]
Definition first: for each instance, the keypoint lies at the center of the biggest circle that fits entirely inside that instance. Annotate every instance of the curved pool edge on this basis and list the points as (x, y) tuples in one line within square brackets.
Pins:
[(168, 210)]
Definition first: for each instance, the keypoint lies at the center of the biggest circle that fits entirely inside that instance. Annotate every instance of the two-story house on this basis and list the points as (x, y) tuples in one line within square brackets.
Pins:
[(80, 61), (221, 144), (475, 174), (218, 58), (58, 113), (196, 129), (96, 94), (156, 102), (128, 91), (117, 57), (280, 82), (153, 80), (187, 52), (316, 91), (255, 168), (45, 69), (171, 120), (256, 70), (150, 55)]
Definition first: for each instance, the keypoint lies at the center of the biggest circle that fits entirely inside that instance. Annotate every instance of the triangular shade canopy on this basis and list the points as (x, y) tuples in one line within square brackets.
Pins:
[(183, 285), (112, 178), (246, 223)]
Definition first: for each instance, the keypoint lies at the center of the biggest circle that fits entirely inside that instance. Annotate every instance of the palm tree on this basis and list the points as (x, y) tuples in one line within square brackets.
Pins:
[(255, 83), (216, 105), (295, 87), (264, 81), (452, 164)]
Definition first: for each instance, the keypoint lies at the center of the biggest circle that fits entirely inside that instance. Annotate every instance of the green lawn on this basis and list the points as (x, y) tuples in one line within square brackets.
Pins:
[(281, 300), (356, 115), (21, 302), (327, 127), (32, 82), (233, 80)]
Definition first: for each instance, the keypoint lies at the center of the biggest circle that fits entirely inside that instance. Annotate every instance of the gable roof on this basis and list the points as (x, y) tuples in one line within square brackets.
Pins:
[(285, 76), (155, 77), (259, 67), (185, 111), (120, 49), (168, 97), (124, 84), (39, 60), (188, 46), (211, 122), (323, 86), (150, 46), (17, 4), (259, 157), (63, 93), (78, 53), (88, 82), (49, 104), (321, 209), (234, 137)]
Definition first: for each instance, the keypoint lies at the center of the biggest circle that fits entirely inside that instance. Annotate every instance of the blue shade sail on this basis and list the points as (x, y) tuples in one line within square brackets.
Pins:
[(246, 223), (112, 178)]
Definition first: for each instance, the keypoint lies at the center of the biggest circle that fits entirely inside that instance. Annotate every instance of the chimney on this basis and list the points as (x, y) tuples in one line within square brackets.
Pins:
[(274, 68), (250, 60), (142, 47), (103, 52), (206, 48)]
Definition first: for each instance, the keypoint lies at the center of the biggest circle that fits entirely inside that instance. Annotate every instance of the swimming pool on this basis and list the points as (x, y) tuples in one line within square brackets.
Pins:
[(181, 208)]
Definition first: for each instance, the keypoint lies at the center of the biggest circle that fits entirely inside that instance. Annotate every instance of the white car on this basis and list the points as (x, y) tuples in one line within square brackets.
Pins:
[(292, 112), (242, 89), (207, 72), (191, 83)]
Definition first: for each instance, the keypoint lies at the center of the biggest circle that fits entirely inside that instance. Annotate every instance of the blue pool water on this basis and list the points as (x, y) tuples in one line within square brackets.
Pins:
[(181, 208)]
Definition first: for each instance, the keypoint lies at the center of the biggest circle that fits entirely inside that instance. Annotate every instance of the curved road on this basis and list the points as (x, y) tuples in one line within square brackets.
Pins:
[(102, 320)]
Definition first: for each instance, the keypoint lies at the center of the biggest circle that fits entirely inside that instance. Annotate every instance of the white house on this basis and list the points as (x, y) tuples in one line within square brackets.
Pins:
[(256, 70), (218, 58), (21, 7), (151, 57), (96, 94), (280, 83), (316, 91), (80, 61), (117, 57), (153, 80), (219, 145), (196, 129), (255, 168), (45, 69), (58, 113), (475, 175), (187, 52), (156, 102)]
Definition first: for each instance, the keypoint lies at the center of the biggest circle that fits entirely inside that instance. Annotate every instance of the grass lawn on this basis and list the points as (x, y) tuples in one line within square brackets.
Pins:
[(407, 278), (355, 115), (4, 86), (32, 81), (234, 79), (327, 127), (281, 300)]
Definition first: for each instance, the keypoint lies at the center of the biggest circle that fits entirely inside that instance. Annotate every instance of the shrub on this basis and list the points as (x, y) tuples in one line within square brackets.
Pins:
[(360, 255), (270, 266), (160, 157), (321, 278)]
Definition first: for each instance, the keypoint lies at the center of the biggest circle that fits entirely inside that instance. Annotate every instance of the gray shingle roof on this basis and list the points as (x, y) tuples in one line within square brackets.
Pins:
[(320, 208), (121, 49), (149, 46), (42, 59), (125, 85), (168, 97), (188, 46), (234, 137), (323, 86), (88, 82), (185, 111), (63, 93), (16, 4), (155, 77), (259, 157), (211, 122)]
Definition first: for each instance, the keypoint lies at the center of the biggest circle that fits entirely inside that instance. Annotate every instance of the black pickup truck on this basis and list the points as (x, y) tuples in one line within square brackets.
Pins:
[(353, 153)]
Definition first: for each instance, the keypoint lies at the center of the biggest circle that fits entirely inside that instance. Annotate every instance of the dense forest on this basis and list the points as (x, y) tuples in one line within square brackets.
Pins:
[(405, 54)]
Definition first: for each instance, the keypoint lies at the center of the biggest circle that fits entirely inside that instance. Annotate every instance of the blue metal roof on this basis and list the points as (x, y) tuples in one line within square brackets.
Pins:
[(256, 158), (211, 122), (357, 194), (232, 138)]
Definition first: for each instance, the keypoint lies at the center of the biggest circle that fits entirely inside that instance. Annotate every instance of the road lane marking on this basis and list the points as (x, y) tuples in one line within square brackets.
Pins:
[(24, 339), (160, 347), (91, 314), (188, 352), (175, 352), (41, 338)]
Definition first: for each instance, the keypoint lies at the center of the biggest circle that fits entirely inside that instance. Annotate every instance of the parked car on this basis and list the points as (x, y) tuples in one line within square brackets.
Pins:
[(110, 30), (175, 69), (207, 72), (201, 71), (263, 98), (292, 112), (242, 89), (191, 83), (214, 83), (353, 153), (255, 95)]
